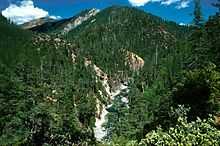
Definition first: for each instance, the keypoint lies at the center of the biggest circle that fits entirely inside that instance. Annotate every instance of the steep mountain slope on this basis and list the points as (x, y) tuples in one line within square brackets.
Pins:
[(47, 96), (13, 41), (122, 41), (105, 36), (44, 78), (65, 25), (117, 37), (37, 22)]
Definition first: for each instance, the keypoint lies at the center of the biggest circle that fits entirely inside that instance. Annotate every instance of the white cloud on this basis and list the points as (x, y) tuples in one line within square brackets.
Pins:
[(183, 4), (169, 2), (25, 12), (182, 24), (138, 3), (55, 17), (180, 3)]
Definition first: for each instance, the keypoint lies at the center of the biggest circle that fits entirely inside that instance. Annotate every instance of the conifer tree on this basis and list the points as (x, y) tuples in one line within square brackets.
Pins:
[(197, 38), (198, 19)]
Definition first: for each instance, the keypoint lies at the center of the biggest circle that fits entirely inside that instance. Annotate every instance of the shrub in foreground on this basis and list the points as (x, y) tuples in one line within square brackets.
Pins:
[(199, 132)]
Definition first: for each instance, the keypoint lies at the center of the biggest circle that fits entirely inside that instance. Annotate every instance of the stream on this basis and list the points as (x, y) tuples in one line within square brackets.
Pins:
[(99, 130)]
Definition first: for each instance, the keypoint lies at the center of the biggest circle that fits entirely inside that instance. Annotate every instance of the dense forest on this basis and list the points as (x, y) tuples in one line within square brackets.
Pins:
[(152, 81)]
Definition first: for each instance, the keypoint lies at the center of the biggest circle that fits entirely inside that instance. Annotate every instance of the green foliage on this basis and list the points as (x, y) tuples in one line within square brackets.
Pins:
[(39, 92), (204, 43), (130, 120), (120, 141), (212, 29), (105, 39), (199, 132), (199, 89), (117, 119), (46, 99)]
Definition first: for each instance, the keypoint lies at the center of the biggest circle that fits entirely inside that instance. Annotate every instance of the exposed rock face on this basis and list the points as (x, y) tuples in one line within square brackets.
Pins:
[(134, 61), (101, 112), (217, 120), (36, 23), (73, 56), (101, 75), (79, 20)]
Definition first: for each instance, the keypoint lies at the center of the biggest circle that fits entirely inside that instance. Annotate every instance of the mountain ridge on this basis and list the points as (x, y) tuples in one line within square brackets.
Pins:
[(117, 28), (44, 28), (65, 24), (37, 22)]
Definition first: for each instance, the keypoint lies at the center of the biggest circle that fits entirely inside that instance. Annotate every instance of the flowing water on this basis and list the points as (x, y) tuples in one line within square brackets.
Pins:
[(99, 130)]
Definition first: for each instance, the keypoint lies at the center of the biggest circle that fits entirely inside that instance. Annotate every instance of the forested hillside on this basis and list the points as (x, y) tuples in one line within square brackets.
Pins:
[(43, 94), (115, 29), (119, 76)]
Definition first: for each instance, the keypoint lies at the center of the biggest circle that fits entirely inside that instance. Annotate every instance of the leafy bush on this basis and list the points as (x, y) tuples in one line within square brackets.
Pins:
[(199, 89), (120, 141), (199, 132)]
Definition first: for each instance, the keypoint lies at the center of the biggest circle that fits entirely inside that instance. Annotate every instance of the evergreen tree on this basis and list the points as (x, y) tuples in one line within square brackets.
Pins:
[(197, 39), (212, 29), (198, 19)]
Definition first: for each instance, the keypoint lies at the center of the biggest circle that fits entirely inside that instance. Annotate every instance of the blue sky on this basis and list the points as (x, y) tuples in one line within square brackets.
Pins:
[(175, 10)]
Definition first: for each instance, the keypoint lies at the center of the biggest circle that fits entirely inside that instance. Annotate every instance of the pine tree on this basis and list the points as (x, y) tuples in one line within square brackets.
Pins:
[(197, 38), (212, 29), (198, 19)]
